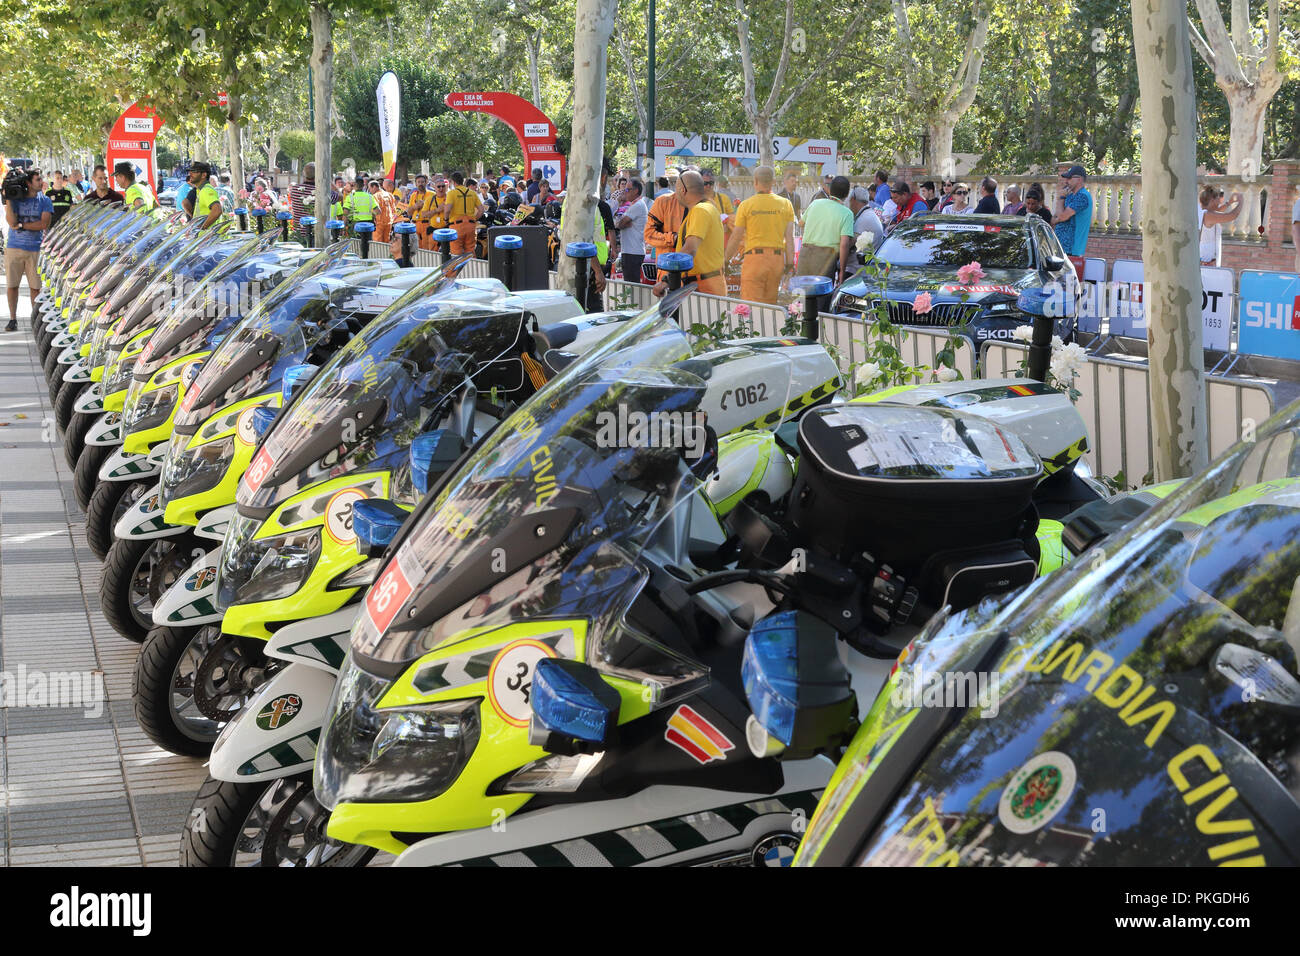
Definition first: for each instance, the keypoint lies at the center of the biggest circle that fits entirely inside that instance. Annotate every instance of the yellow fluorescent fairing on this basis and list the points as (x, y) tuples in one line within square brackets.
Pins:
[(186, 509), (173, 373), (316, 507), (503, 738)]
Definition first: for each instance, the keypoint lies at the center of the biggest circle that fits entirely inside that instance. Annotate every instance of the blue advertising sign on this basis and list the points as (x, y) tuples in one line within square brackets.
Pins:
[(1268, 316)]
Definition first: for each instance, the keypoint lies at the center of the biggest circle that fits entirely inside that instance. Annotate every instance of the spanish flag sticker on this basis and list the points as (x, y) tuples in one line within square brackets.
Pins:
[(689, 731), (1020, 390)]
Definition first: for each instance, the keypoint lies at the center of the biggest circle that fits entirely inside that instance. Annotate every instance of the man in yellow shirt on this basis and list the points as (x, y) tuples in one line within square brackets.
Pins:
[(419, 209), (764, 230), (461, 212), (701, 236)]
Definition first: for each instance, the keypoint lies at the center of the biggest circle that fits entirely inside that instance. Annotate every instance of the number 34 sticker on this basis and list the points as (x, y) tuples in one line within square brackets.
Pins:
[(510, 680)]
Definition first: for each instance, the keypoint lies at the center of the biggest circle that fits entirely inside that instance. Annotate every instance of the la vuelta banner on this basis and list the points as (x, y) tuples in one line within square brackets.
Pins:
[(133, 140), (532, 127), (389, 94)]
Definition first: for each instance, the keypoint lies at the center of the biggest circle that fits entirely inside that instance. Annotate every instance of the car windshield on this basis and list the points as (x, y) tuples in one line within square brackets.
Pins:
[(571, 505), (954, 242)]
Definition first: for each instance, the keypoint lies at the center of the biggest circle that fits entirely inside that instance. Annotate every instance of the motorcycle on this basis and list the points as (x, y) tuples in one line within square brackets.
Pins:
[(1151, 686), (249, 763)]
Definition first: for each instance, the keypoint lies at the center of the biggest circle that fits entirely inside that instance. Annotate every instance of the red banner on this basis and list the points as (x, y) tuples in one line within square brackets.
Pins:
[(132, 140), (532, 127)]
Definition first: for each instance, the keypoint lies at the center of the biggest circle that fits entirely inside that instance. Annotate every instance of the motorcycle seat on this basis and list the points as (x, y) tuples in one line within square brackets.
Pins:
[(555, 336)]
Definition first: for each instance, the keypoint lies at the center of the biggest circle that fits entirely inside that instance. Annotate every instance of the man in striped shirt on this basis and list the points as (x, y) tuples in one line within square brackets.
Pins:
[(303, 194)]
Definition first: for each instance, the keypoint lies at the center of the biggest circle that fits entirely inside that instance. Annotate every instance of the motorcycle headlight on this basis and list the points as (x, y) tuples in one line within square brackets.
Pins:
[(117, 371), (398, 755), (152, 408), (263, 569), (192, 471)]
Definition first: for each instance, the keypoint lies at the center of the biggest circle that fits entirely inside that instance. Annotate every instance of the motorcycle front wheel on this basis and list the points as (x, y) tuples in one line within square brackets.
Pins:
[(275, 823)]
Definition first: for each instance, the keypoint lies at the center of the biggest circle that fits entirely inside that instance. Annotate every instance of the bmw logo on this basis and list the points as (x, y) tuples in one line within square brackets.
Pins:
[(775, 850)]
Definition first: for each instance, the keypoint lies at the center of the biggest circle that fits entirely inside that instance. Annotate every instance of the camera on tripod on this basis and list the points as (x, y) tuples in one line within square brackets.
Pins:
[(15, 184)]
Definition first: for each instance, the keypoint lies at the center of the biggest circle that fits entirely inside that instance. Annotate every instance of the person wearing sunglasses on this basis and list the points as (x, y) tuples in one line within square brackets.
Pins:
[(960, 205)]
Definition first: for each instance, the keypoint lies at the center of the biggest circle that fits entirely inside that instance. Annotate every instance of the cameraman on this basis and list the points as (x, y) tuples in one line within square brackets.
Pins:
[(28, 218)]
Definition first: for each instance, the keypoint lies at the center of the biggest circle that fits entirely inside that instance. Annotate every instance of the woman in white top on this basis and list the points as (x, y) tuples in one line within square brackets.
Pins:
[(1214, 212), (960, 205)]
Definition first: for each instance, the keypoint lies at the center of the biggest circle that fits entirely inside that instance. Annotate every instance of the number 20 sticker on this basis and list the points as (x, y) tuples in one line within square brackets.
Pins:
[(338, 515), (510, 680)]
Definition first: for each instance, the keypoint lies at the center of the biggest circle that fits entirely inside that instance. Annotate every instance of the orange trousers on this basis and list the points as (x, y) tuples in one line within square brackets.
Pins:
[(760, 275), (466, 231), (715, 285), (425, 232)]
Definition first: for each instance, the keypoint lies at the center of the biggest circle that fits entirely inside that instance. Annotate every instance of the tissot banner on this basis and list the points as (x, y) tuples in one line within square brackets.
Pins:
[(132, 140)]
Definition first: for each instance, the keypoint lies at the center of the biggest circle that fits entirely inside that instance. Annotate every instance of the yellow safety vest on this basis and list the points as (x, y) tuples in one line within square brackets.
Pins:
[(139, 191), (204, 197)]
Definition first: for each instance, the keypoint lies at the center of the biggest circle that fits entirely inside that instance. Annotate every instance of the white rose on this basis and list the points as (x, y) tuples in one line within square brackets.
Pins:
[(865, 243), (946, 374), (1057, 342), (1023, 333), (866, 373)]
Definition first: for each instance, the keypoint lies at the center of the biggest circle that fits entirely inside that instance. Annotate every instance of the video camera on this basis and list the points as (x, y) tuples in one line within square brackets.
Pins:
[(15, 185)]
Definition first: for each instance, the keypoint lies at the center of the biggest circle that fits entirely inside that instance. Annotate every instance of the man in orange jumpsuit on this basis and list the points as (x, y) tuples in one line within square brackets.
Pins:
[(419, 209), (665, 220), (764, 231), (461, 213)]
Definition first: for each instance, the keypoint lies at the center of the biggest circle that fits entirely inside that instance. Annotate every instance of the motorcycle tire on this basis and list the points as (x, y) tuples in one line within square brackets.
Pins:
[(125, 574), (107, 504), (49, 365), (151, 687), (223, 813), (86, 474), (74, 437), (43, 342), (66, 402)]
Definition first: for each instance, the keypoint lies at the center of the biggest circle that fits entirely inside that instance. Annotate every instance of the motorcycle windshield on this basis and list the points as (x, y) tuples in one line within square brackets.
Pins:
[(227, 293), (173, 283), (1153, 680), (303, 312), (363, 408), (176, 247), (139, 249), (570, 501)]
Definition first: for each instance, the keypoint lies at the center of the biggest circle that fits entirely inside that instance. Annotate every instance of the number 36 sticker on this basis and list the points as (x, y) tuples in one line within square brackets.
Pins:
[(510, 680)]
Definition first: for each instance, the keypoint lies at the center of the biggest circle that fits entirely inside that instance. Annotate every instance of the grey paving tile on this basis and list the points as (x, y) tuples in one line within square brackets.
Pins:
[(20, 604), (81, 821), (55, 720), (162, 813)]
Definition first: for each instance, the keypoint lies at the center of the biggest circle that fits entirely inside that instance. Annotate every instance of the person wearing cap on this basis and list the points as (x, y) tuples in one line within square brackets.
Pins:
[(907, 203), (359, 205), (135, 195), (1072, 218), (764, 231), (664, 221), (700, 237), (461, 212), (204, 203), (864, 217)]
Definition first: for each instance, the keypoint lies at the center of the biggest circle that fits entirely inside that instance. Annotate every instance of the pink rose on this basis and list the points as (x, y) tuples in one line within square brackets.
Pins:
[(970, 273), (921, 304), (795, 307), (741, 311)]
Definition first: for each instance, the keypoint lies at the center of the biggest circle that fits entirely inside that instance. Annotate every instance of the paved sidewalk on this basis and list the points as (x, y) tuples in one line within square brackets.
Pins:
[(77, 787)]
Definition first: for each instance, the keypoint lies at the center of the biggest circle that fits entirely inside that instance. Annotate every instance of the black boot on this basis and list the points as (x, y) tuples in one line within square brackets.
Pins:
[(12, 326)]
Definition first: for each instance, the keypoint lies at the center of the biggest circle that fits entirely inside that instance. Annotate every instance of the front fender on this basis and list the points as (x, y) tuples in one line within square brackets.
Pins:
[(192, 600), (144, 519), (90, 401), (123, 466), (276, 733), (106, 431)]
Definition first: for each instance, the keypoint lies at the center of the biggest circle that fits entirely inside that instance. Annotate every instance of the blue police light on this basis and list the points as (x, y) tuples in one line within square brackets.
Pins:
[(770, 673), (570, 698), (375, 524), (402, 228), (295, 376), (508, 242), (1032, 302), (259, 212), (811, 285), (283, 214), (445, 235), (365, 227), (797, 686), (262, 418), (334, 224), (675, 262), (308, 221), (580, 250), (241, 211), (432, 453)]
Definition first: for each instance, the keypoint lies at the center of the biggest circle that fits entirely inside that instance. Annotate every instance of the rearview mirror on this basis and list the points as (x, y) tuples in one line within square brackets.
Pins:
[(1053, 263)]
